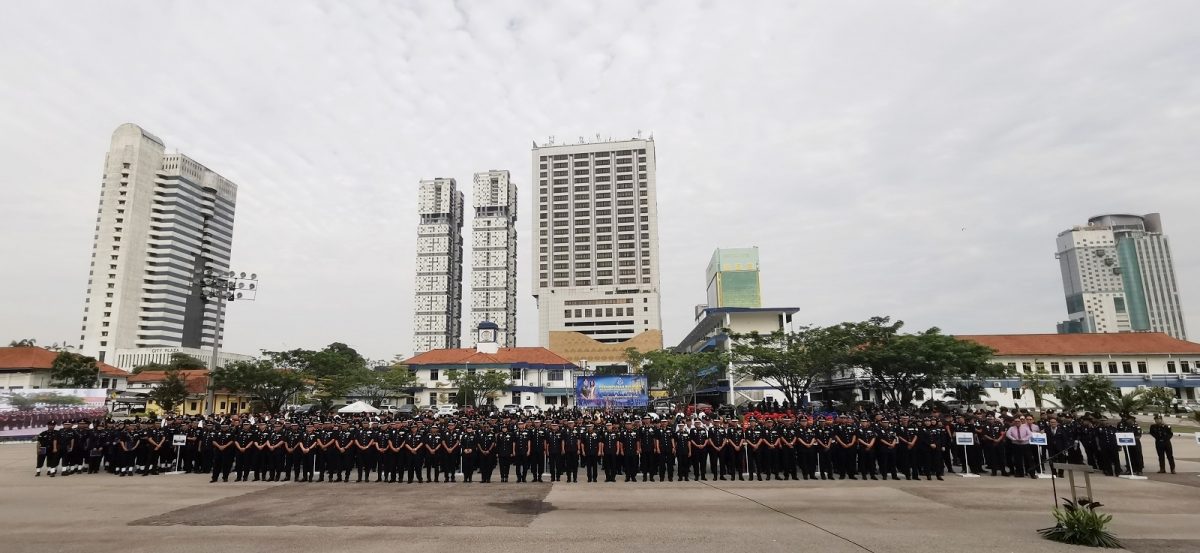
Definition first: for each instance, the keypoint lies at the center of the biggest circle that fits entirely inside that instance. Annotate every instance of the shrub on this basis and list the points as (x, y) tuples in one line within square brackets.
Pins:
[(1080, 524)]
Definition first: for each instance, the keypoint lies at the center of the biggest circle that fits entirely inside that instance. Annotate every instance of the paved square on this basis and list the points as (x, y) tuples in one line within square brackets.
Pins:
[(104, 513)]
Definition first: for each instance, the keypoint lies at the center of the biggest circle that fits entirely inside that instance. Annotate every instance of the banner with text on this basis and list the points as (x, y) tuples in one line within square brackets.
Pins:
[(618, 391)]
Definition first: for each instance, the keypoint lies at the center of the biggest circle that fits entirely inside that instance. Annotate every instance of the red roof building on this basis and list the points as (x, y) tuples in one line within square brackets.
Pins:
[(29, 368)]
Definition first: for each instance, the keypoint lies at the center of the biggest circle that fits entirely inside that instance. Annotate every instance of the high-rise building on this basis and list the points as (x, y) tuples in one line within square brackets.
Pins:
[(163, 219), (595, 228), (437, 320), (732, 277), (494, 255), (1118, 276)]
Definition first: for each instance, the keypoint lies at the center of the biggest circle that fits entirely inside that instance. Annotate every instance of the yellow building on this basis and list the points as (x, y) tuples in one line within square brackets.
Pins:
[(196, 382)]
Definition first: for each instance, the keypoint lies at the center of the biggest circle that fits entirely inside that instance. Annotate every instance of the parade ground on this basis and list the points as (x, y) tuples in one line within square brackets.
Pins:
[(184, 513)]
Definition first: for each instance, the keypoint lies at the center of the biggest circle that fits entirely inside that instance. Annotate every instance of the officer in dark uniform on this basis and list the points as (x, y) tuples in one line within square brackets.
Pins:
[(468, 444), (1134, 452), (364, 451), (1162, 435), (712, 451), (774, 447), (932, 441), (486, 455), (522, 451), (664, 443), (306, 447), (591, 445), (648, 446), (554, 451), (698, 444), (806, 449), (224, 449), (610, 451), (992, 440), (47, 450), (885, 450), (824, 446), (844, 443), (629, 449), (866, 439), (506, 450), (537, 450), (570, 451), (787, 450)]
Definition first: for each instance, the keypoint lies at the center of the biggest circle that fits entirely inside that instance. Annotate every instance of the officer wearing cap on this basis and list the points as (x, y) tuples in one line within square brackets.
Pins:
[(1162, 435)]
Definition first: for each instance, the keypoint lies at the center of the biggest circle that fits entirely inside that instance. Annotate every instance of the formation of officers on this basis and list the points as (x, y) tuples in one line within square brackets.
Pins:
[(867, 445)]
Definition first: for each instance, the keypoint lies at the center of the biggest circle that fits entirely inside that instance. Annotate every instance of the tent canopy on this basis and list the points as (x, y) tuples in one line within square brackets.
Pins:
[(358, 407)]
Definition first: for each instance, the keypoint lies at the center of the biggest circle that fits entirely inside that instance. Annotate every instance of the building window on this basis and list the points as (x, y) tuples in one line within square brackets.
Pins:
[(1016, 393), (1027, 367), (193, 406), (554, 375), (1112, 367), (432, 399), (222, 405), (1141, 367), (433, 375), (1183, 366), (516, 374), (1098, 367), (1126, 367), (1170, 366), (1069, 367), (1054, 368)]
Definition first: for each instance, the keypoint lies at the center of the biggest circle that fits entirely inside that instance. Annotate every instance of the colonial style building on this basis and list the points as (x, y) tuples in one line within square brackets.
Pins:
[(28, 368), (536, 376)]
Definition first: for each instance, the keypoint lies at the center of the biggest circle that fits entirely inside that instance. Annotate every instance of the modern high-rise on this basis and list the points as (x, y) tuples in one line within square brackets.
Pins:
[(1118, 276), (595, 226), (437, 313), (494, 255), (163, 219), (732, 277)]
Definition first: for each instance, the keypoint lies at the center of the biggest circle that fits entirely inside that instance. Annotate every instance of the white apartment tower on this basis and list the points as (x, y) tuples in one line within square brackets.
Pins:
[(163, 219), (494, 255), (595, 227), (437, 320), (1118, 276)]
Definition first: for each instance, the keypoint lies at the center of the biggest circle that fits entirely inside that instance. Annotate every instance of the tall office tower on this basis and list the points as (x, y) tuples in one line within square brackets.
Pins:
[(1118, 276), (596, 244), (163, 219), (733, 278), (437, 321), (494, 255)]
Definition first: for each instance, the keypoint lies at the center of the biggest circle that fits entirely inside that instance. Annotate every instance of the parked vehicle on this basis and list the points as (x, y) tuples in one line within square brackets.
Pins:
[(511, 409), (445, 410)]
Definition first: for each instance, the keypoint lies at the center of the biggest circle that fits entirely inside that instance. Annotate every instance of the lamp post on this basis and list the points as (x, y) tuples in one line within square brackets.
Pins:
[(221, 287)]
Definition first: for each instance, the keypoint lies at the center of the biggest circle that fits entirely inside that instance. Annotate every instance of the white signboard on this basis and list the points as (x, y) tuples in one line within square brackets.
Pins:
[(964, 438), (1126, 439), (179, 439), (1037, 438)]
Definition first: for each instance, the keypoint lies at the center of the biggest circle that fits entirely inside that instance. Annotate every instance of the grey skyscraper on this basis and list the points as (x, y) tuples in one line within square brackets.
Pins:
[(596, 248), (1118, 276), (437, 319), (163, 218), (494, 255)]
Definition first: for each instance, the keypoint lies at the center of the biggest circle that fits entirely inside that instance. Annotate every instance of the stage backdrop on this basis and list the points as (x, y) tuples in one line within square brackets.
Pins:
[(618, 391)]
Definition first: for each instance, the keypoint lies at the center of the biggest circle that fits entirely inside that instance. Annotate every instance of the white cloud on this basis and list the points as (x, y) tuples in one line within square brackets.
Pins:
[(910, 159)]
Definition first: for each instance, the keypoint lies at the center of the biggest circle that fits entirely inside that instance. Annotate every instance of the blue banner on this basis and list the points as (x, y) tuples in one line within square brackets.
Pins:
[(616, 392)]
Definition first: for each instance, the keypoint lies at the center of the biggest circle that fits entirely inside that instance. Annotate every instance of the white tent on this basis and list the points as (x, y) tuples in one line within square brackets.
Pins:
[(358, 407)]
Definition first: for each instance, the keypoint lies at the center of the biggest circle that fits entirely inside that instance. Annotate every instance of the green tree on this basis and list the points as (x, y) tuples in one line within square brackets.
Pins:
[(1090, 393), (969, 393), (678, 373), (1128, 404), (27, 402), (332, 372), (261, 379), (23, 343), (791, 361), (1161, 397), (1040, 384), (74, 370), (901, 364), (479, 386), (397, 381), (171, 392)]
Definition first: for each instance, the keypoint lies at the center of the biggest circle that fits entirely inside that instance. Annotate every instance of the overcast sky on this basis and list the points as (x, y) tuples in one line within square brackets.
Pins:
[(913, 159)]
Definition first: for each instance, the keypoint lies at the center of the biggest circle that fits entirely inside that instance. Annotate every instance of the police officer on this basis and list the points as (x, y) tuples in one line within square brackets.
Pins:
[(591, 445), (47, 450), (553, 450), (844, 443), (629, 448), (522, 451), (885, 450), (506, 450), (223, 448), (486, 455), (648, 446), (1162, 435), (570, 451)]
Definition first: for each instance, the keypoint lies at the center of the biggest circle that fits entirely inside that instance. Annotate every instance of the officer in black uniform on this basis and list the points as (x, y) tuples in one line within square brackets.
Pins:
[(611, 451), (47, 450), (306, 448), (570, 448), (629, 448), (648, 446), (522, 451), (844, 444), (537, 450), (1162, 435), (664, 443), (866, 439), (506, 450), (591, 445), (468, 444), (224, 449), (885, 450), (486, 455), (698, 443), (417, 453), (932, 441), (554, 451)]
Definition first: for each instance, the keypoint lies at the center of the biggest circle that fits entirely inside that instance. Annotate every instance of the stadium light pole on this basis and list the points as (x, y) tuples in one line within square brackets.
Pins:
[(221, 287)]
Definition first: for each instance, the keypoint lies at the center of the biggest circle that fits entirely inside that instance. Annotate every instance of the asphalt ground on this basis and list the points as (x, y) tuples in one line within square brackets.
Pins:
[(184, 513)]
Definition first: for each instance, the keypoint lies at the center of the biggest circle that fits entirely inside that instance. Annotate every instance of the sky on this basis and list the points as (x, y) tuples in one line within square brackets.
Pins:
[(911, 159)]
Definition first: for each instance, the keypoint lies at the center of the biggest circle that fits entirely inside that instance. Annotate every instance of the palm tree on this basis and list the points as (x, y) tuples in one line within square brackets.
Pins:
[(1039, 384), (1126, 405), (969, 393)]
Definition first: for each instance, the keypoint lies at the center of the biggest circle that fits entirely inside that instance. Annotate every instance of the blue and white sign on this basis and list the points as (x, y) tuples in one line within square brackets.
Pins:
[(1126, 439), (1037, 438), (964, 438)]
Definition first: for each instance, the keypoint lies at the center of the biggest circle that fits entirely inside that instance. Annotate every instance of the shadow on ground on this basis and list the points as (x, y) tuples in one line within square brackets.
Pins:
[(345, 504)]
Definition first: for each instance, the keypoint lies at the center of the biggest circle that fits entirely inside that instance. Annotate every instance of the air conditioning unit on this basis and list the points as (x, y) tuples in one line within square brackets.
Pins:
[(1142, 386), (996, 384), (1145, 377), (1179, 377)]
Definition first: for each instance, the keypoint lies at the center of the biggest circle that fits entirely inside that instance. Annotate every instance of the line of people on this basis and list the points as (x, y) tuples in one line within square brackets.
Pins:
[(878, 445)]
